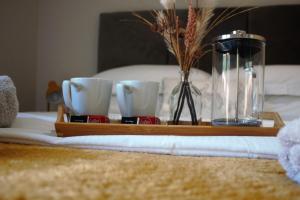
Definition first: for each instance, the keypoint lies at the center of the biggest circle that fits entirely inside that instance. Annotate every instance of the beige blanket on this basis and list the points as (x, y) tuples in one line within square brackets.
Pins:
[(34, 172)]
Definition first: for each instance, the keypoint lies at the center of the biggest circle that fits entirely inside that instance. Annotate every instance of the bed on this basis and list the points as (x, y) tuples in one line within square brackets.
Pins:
[(39, 165)]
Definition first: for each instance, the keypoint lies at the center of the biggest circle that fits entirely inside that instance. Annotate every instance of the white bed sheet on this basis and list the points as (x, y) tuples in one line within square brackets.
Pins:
[(38, 128)]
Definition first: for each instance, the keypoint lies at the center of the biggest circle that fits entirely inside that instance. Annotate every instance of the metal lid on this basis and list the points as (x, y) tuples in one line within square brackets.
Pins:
[(237, 34)]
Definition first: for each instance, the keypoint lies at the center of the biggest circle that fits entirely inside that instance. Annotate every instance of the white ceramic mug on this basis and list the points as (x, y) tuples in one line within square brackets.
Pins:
[(87, 96), (137, 98)]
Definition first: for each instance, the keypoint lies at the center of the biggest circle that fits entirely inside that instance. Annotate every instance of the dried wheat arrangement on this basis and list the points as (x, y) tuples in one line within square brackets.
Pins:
[(185, 41)]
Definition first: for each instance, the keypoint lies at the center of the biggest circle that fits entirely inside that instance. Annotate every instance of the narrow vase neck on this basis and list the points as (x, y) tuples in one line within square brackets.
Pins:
[(184, 76)]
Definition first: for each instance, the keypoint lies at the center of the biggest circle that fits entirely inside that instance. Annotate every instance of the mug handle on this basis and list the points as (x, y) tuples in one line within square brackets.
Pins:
[(122, 92), (121, 98), (67, 93)]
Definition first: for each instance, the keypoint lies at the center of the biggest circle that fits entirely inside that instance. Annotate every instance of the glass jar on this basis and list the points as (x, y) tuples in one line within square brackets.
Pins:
[(238, 79), (185, 101)]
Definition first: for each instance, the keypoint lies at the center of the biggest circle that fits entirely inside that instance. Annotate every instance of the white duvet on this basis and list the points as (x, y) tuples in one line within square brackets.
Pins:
[(38, 128)]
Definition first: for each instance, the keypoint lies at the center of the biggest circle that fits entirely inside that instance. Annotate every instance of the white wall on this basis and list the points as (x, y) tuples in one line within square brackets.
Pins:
[(68, 35), (18, 42)]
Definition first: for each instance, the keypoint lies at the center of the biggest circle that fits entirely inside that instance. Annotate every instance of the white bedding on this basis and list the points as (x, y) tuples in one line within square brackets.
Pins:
[(38, 128)]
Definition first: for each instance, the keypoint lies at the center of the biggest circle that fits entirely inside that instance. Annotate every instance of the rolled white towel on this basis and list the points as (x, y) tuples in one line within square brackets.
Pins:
[(9, 105), (289, 156)]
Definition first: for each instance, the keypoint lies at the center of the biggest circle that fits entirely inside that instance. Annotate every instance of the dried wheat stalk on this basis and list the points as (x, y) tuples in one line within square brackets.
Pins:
[(186, 43)]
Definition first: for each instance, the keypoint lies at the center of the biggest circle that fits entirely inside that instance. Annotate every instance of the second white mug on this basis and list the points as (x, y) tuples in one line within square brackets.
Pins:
[(137, 98)]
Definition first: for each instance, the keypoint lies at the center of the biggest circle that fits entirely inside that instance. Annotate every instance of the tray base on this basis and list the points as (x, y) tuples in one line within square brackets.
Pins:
[(65, 129)]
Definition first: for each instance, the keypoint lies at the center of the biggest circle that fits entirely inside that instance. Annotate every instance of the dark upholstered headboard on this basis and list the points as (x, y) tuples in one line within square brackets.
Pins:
[(123, 40)]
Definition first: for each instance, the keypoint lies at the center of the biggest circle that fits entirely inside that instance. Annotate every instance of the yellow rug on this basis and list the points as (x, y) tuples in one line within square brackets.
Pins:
[(33, 172)]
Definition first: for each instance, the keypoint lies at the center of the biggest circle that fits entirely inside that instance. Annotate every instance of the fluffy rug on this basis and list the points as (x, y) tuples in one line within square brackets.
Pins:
[(33, 172)]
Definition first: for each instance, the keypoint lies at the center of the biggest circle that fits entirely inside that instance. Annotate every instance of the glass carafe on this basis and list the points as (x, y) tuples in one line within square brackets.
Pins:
[(238, 79)]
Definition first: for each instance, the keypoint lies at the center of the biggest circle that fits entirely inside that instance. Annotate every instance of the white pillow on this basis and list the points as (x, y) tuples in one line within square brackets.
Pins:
[(148, 73), (282, 80), (287, 106)]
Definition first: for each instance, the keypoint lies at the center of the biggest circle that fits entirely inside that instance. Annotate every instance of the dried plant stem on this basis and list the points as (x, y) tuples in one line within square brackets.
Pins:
[(180, 104), (177, 41), (220, 15), (191, 104), (223, 15), (220, 20), (228, 17), (145, 21), (185, 94), (204, 53)]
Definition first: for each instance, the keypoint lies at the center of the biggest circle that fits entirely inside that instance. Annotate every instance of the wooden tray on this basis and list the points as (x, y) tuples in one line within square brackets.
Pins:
[(65, 129)]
